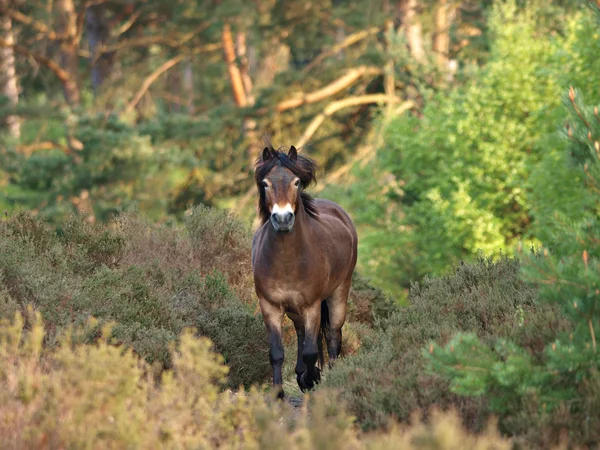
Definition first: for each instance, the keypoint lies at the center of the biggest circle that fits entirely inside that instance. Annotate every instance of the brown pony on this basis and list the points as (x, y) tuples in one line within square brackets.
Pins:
[(303, 256)]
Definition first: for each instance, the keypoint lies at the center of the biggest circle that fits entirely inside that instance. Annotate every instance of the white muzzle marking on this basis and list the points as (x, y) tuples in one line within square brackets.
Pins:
[(282, 210)]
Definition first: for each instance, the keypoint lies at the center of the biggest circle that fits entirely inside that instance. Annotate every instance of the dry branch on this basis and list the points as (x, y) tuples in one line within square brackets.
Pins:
[(151, 79), (331, 89), (45, 145), (333, 107), (350, 40), (60, 73), (38, 26), (441, 36)]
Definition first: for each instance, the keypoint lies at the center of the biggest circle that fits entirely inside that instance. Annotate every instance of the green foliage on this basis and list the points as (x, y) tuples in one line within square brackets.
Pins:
[(556, 381), (457, 177), (150, 280), (387, 377), (107, 168)]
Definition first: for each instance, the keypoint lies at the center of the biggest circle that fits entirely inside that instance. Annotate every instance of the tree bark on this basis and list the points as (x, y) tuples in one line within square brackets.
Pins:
[(67, 21), (274, 61), (235, 77), (240, 40), (8, 74), (188, 85), (248, 124), (441, 38), (412, 28), (97, 31)]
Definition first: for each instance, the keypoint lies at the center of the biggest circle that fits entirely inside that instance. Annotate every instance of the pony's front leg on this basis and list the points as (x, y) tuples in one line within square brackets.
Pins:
[(310, 351), (273, 317), (299, 327)]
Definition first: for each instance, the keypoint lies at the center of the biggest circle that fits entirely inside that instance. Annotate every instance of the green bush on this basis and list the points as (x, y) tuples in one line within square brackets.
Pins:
[(98, 396), (557, 386), (387, 378), (150, 280), (476, 168)]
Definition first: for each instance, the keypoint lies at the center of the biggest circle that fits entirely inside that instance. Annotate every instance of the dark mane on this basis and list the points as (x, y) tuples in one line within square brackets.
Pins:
[(303, 167)]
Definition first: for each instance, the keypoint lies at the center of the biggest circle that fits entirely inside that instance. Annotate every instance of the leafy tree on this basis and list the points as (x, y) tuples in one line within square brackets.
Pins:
[(563, 377), (454, 179)]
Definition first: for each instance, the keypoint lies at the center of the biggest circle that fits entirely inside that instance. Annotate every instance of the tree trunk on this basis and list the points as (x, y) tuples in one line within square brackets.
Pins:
[(8, 75), (240, 41), (173, 80), (441, 38), (97, 31), (67, 22), (235, 77), (412, 28), (273, 62), (188, 85)]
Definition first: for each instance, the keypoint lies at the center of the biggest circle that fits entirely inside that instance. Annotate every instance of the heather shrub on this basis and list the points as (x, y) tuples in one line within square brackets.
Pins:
[(97, 395), (387, 378), (367, 303), (151, 280)]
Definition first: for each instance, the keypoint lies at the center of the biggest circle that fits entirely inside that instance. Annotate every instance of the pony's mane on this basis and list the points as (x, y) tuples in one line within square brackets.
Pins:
[(303, 167)]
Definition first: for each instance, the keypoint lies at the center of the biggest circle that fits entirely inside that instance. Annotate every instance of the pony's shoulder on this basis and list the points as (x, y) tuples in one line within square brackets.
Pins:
[(330, 208)]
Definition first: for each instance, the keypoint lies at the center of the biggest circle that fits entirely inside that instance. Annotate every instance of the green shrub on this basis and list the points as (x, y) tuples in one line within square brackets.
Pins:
[(151, 280), (556, 386), (457, 177), (387, 378), (98, 396)]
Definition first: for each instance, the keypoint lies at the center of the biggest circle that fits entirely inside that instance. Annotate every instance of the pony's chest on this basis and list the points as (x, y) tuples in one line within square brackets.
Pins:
[(289, 298), (290, 289)]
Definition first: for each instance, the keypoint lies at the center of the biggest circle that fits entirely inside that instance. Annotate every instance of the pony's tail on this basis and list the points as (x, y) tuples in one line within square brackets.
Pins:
[(323, 332)]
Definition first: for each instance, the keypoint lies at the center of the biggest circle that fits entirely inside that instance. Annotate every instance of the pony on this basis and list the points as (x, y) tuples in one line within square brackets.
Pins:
[(303, 257)]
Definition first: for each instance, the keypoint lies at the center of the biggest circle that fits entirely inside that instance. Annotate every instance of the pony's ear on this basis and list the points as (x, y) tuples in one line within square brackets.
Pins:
[(293, 153), (266, 154)]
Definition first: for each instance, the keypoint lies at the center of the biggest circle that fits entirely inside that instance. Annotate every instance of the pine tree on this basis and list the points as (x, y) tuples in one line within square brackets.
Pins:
[(567, 271)]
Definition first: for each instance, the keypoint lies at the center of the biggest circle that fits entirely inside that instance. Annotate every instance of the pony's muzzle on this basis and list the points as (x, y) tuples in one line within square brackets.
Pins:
[(282, 221)]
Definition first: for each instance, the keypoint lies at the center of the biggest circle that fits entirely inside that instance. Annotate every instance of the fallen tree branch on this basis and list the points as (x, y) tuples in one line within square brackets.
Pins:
[(362, 154), (333, 107), (350, 40), (331, 89), (151, 79)]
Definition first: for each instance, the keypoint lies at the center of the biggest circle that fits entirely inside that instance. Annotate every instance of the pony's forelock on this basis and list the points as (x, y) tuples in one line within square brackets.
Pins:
[(303, 167)]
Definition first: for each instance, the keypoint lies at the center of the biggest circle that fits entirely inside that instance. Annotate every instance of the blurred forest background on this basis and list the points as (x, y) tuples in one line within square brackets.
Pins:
[(458, 134), (435, 122)]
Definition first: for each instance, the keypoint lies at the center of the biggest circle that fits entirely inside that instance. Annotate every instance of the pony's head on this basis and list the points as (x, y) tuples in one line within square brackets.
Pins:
[(281, 177)]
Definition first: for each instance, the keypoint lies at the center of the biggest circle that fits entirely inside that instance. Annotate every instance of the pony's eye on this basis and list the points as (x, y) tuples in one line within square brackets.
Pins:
[(297, 183), (265, 185)]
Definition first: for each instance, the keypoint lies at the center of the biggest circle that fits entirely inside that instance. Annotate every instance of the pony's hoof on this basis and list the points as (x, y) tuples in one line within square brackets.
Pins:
[(278, 392), (307, 384)]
